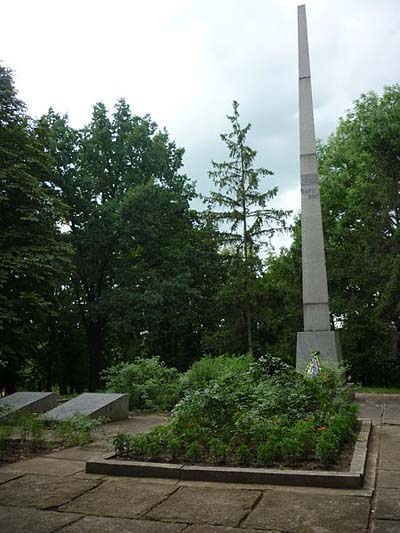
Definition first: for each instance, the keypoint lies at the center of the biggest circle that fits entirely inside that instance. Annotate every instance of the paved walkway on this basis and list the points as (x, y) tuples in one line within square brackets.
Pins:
[(53, 493)]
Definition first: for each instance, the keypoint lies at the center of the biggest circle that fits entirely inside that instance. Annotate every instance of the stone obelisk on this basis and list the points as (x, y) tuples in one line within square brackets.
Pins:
[(317, 335)]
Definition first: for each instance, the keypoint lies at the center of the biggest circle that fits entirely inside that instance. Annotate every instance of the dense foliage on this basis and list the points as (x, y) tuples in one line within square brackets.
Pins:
[(252, 418), (104, 260)]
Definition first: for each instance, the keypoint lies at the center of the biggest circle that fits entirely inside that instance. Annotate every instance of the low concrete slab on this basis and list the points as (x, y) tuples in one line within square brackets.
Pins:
[(309, 513), (28, 402), (93, 404), (33, 520), (94, 524), (120, 498), (207, 506), (42, 492)]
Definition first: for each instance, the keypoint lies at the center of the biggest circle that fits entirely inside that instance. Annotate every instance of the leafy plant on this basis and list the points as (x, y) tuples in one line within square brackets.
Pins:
[(151, 385), (209, 368), (31, 428), (243, 454), (218, 451), (77, 430), (245, 417)]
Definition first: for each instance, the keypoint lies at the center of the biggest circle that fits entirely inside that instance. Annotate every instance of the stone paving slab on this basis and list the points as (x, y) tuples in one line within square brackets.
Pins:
[(32, 520), (309, 513), (95, 524), (386, 526), (43, 492), (206, 506), (389, 479), (222, 529), (390, 460), (388, 504), (120, 498), (45, 465), (132, 424), (81, 453), (7, 476)]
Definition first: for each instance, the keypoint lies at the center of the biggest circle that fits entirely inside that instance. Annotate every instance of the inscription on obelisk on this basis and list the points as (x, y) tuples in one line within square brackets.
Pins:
[(317, 335)]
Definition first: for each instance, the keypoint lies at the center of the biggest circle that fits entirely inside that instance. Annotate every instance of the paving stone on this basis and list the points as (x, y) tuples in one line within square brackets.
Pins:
[(388, 504), (94, 524), (308, 513), (389, 479), (42, 491), (386, 526), (223, 529), (79, 453), (121, 498), (45, 465), (7, 476), (389, 461), (206, 506), (32, 520)]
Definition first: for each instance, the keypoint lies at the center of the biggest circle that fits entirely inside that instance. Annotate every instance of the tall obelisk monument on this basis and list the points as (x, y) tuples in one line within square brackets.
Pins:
[(317, 335)]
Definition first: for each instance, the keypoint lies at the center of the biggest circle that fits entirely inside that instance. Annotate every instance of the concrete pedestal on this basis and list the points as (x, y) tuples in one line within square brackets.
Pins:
[(94, 405), (28, 402), (327, 343)]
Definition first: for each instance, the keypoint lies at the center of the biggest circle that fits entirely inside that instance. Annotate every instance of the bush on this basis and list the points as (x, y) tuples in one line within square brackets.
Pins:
[(248, 417), (218, 451), (151, 385), (31, 429), (243, 455), (77, 430), (208, 369)]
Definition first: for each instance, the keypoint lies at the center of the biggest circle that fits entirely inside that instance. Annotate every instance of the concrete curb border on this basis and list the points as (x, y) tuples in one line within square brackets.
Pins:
[(353, 479)]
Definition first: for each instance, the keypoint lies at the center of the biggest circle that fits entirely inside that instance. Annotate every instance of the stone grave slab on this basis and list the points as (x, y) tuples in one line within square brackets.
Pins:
[(93, 404), (29, 402)]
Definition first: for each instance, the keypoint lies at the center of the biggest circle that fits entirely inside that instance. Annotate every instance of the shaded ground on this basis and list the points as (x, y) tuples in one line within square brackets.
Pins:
[(53, 493)]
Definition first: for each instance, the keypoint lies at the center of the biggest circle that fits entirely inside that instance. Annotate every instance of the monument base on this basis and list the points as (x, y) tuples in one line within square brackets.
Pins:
[(327, 343)]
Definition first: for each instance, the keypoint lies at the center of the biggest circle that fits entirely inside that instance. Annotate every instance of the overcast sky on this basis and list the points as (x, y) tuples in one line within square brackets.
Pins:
[(184, 61)]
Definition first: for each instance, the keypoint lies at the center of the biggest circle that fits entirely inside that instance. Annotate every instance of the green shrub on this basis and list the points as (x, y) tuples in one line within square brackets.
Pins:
[(30, 428), (243, 455), (245, 417), (6, 432), (122, 444), (209, 368), (327, 447), (151, 385), (138, 445), (173, 447), (77, 430), (218, 451), (264, 456), (194, 452)]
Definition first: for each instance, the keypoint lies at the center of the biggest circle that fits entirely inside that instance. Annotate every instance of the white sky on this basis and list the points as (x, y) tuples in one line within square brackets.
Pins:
[(184, 61)]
